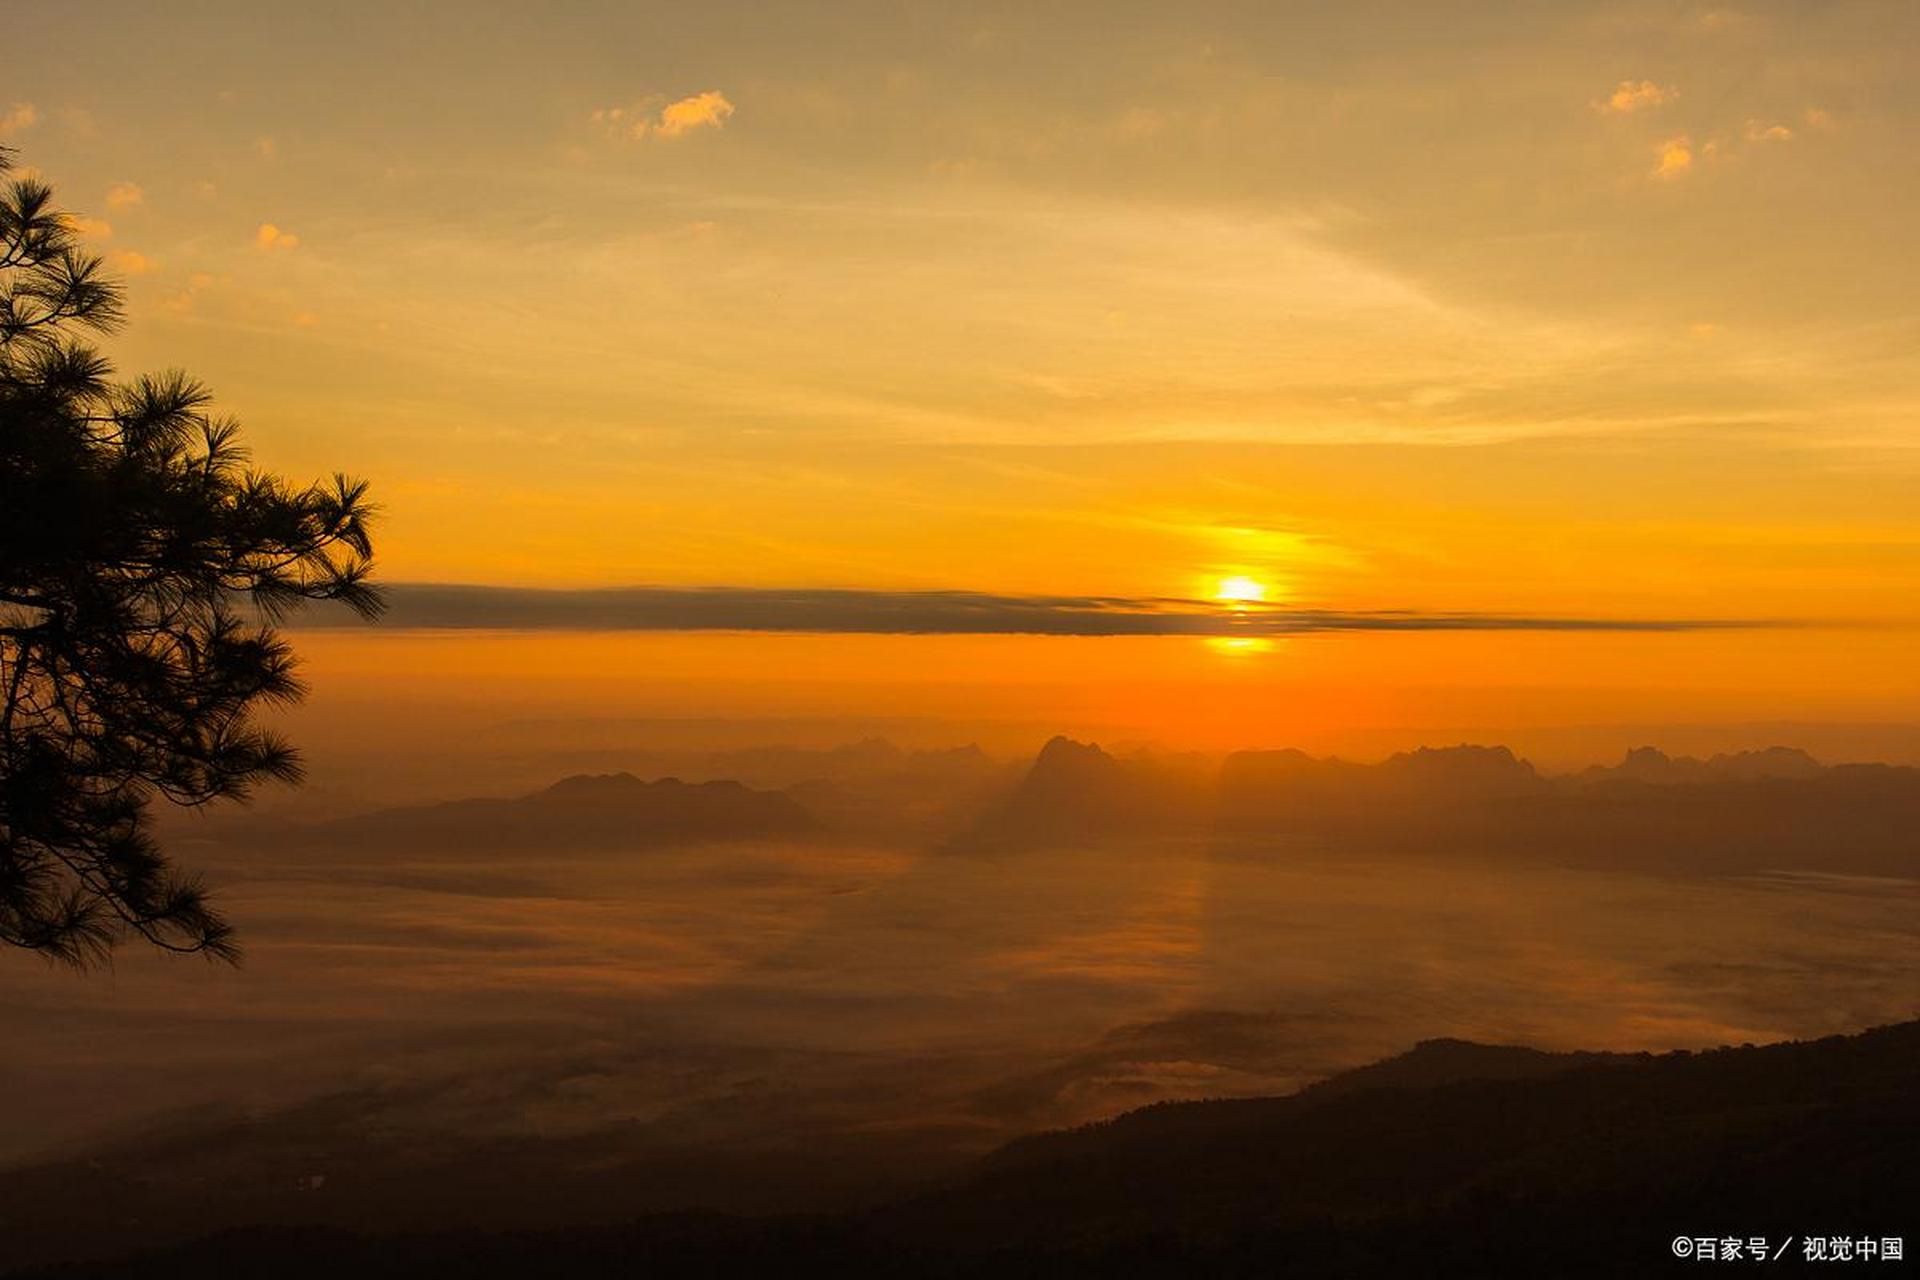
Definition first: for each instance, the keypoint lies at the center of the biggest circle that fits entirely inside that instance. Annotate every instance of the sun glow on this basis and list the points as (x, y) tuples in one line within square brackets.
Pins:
[(1240, 590)]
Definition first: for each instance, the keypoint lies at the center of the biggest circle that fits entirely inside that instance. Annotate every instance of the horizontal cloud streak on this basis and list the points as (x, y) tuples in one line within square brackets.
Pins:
[(452, 606)]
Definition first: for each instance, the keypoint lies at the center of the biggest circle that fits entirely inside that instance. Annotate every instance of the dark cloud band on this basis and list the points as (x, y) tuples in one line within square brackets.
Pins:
[(449, 606)]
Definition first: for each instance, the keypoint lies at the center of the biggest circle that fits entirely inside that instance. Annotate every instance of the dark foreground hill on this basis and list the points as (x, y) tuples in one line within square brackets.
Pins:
[(1452, 1160)]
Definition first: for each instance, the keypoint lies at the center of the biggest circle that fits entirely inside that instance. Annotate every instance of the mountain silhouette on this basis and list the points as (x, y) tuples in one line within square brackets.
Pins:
[(1070, 775), (1615, 1151), (1755, 811), (1652, 765), (1462, 771), (1076, 791), (1286, 788), (1777, 809)]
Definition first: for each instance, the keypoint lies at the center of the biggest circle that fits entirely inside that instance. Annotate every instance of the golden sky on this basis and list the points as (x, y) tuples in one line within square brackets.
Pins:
[(1597, 311)]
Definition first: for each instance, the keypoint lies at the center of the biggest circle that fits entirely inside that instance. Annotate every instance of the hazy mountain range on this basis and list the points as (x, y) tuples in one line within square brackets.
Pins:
[(1756, 810), (1773, 809)]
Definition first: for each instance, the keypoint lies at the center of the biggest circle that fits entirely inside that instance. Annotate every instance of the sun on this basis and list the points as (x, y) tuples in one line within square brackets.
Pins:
[(1241, 590)]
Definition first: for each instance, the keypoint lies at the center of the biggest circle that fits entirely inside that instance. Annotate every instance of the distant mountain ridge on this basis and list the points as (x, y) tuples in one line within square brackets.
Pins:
[(870, 789), (1774, 809), (1764, 810), (1472, 771), (1652, 765)]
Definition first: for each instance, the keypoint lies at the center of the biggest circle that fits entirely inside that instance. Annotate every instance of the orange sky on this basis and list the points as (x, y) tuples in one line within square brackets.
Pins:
[(1585, 311)]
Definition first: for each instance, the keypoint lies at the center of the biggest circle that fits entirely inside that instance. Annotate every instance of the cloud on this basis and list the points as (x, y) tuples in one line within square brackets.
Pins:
[(456, 606), (130, 263), (619, 123), (708, 110), (184, 301), (1761, 131), (270, 237), (702, 110), (1676, 158), (125, 195), (18, 118), (1633, 95), (89, 228), (266, 148)]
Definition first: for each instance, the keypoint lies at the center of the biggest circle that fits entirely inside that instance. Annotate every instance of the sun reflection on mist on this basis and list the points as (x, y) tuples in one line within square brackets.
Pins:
[(1241, 646)]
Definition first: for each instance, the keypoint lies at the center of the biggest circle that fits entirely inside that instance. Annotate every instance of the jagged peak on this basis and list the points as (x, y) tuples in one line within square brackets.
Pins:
[(1461, 751), (1768, 755), (605, 786), (593, 783), (1061, 747)]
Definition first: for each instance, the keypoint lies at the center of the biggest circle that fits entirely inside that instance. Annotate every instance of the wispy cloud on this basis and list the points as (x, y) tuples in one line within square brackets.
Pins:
[(707, 110), (125, 195), (184, 300), (271, 237), (701, 111), (90, 228), (455, 606), (1635, 95), (1674, 158)]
